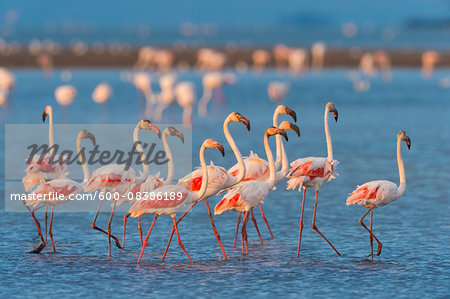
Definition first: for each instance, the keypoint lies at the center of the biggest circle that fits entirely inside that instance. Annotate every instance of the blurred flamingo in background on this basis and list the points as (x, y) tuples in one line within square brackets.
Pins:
[(61, 186), (375, 194), (143, 84), (166, 97), (153, 181), (429, 60), (171, 207), (383, 63), (118, 178), (213, 81), (145, 58), (101, 94), (185, 95), (7, 84), (297, 59), (65, 95), (248, 194), (313, 172), (260, 58), (277, 91), (318, 55)]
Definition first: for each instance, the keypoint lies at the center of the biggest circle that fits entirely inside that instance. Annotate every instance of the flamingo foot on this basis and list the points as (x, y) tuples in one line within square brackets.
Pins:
[(38, 249)]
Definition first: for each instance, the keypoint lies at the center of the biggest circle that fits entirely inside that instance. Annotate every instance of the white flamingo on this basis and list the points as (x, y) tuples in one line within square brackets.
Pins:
[(185, 95)]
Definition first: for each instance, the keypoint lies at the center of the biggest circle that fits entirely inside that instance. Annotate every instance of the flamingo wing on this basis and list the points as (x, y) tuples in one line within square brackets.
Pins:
[(217, 178), (369, 194), (51, 191), (255, 168), (112, 176)]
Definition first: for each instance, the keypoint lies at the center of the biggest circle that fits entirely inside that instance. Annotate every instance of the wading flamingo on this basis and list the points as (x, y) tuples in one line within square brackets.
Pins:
[(285, 125), (213, 81), (313, 172), (183, 197), (143, 84), (65, 95), (219, 178), (166, 97), (185, 94), (258, 169), (153, 181), (117, 178), (249, 194), (101, 94), (56, 192), (379, 193)]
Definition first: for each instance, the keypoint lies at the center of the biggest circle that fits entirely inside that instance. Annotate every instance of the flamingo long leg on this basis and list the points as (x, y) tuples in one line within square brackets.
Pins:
[(45, 219), (237, 228), (244, 234), (215, 230), (370, 231), (101, 230), (179, 239), (315, 227), (109, 228), (140, 229), (265, 221), (301, 223), (168, 244), (173, 230), (50, 232), (125, 219), (38, 225), (370, 236), (256, 226), (146, 239)]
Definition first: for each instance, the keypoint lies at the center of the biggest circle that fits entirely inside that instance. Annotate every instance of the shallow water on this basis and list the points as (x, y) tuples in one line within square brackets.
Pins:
[(414, 230)]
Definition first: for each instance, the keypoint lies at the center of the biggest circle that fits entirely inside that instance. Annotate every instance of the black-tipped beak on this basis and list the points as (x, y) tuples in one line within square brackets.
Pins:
[(408, 142), (92, 138), (283, 133), (180, 135), (292, 113), (44, 116), (335, 114), (296, 129), (245, 121), (220, 148), (154, 128)]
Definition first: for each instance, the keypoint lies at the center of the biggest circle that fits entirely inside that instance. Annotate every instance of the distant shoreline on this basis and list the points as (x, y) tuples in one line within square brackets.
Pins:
[(187, 57)]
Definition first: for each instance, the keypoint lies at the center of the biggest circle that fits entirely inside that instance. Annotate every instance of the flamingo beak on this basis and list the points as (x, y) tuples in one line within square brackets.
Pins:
[(291, 113), (335, 114), (92, 138), (180, 135), (408, 142), (245, 121), (44, 116), (220, 148), (296, 129), (283, 133), (151, 126)]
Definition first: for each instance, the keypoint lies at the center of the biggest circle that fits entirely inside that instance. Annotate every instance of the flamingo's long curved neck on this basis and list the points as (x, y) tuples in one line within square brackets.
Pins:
[(202, 190), (401, 168), (169, 157), (280, 175), (206, 97), (82, 159), (278, 138), (327, 134), (143, 177), (241, 174), (272, 175), (51, 141)]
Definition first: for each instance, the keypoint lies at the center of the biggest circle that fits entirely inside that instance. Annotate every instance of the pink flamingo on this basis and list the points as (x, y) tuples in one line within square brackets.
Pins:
[(258, 169), (313, 172), (249, 194), (183, 196), (219, 178), (116, 178), (379, 193), (60, 186), (153, 181)]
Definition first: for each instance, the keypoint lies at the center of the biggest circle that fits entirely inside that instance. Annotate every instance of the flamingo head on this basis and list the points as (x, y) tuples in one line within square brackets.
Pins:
[(282, 109), (332, 109), (285, 125), (211, 143), (276, 131), (402, 135), (88, 135), (237, 117), (47, 111), (148, 125), (171, 131)]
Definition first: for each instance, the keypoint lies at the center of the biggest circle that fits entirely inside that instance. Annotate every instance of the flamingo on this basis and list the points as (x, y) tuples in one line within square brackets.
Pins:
[(153, 181), (65, 95), (171, 207), (117, 178), (212, 81), (258, 169), (143, 84), (101, 95), (379, 193), (249, 194), (219, 177), (429, 60), (260, 58), (313, 172), (60, 186), (185, 94), (277, 90), (167, 95), (318, 55)]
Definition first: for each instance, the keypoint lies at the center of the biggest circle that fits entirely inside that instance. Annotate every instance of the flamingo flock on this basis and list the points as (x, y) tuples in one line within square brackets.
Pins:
[(242, 188)]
